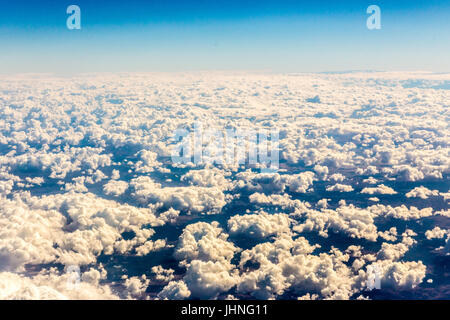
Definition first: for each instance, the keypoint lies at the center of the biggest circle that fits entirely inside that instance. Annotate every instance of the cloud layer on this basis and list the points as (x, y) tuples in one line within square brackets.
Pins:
[(87, 182)]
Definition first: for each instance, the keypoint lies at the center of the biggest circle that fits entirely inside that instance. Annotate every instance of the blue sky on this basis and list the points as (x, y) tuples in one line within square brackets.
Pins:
[(169, 35)]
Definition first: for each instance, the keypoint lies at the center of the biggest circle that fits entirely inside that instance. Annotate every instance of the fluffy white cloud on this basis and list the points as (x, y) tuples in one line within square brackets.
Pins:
[(59, 136), (162, 274), (206, 279), (337, 177), (115, 187), (147, 161), (67, 228), (340, 188), (370, 180), (175, 290), (6, 187), (208, 177), (436, 233), (150, 245), (381, 189), (259, 225), (401, 275), (422, 193), (402, 212), (135, 286), (49, 285), (394, 252), (389, 235), (288, 264), (194, 199), (353, 221), (205, 242), (275, 183), (284, 201)]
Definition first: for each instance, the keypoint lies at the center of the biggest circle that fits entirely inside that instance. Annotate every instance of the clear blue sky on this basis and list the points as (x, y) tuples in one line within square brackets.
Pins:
[(275, 35)]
